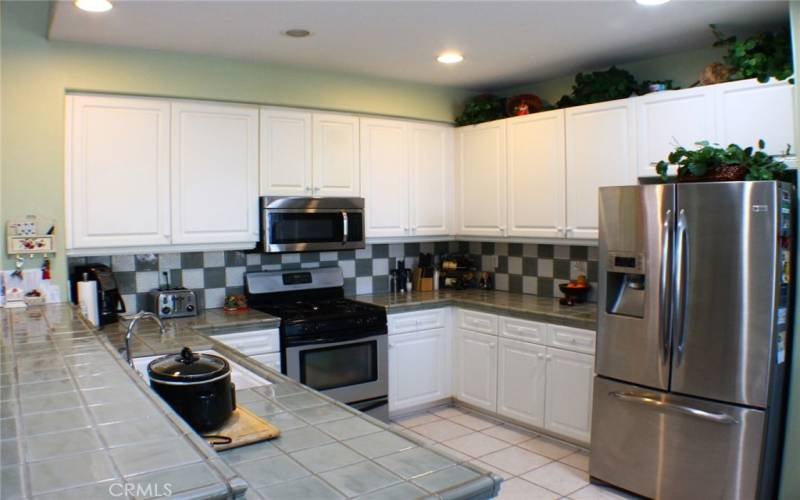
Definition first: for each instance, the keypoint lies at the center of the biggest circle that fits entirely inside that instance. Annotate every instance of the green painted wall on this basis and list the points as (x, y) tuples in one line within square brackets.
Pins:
[(683, 68), (37, 72), (790, 480)]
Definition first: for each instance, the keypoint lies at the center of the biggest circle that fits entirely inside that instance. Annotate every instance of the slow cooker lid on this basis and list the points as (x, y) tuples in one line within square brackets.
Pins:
[(187, 367)]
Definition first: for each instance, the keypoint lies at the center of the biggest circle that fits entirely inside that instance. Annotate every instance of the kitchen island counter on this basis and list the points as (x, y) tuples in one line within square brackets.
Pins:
[(531, 307), (79, 423)]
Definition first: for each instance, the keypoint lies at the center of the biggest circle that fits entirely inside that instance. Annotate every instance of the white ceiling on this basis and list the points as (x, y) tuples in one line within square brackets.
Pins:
[(504, 43)]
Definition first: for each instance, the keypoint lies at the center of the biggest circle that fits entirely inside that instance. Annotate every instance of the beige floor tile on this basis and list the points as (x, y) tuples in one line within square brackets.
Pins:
[(549, 448), (491, 468), (510, 433), (597, 492), (442, 430), (519, 489), (417, 419), (476, 444), (515, 460), (447, 412), (579, 460), (558, 477), (456, 455), (474, 421)]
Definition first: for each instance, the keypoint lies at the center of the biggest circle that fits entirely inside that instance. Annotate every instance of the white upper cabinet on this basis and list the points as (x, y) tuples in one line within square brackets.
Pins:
[(214, 173), (570, 376), (335, 155), (481, 171), (748, 111), (431, 168), (670, 119), (601, 151), (285, 163), (385, 176), (117, 172), (536, 175)]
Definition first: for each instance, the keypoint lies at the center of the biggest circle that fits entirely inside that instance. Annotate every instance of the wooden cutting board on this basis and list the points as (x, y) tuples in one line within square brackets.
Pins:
[(243, 428)]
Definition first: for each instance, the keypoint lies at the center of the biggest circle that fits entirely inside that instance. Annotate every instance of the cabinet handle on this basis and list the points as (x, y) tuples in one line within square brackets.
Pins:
[(548, 357), (308, 189), (391, 346), (540, 355), (316, 189), (492, 345)]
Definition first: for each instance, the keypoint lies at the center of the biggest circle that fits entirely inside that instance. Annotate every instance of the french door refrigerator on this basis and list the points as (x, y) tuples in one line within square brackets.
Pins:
[(693, 324)]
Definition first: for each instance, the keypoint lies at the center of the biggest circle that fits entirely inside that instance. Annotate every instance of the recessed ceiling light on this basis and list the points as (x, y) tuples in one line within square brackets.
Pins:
[(297, 33), (651, 2), (450, 58), (93, 5)]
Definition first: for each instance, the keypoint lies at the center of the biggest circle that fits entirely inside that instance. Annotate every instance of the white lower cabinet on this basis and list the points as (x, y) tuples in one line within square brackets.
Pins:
[(476, 369), (418, 368), (521, 381), (568, 410)]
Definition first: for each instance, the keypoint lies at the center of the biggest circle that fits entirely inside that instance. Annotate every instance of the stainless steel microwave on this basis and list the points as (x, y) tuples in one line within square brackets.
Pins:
[(300, 224)]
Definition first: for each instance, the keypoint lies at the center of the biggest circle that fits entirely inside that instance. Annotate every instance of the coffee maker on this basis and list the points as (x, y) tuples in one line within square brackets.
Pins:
[(109, 300)]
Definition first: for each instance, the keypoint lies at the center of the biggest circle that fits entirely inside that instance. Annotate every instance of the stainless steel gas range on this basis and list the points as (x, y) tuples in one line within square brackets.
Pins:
[(335, 345)]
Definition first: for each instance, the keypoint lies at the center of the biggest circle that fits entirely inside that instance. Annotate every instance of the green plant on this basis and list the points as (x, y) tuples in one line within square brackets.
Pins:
[(482, 108), (614, 83), (761, 56), (704, 160)]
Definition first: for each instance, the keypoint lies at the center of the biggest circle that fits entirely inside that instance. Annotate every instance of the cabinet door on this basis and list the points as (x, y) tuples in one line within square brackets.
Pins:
[(481, 171), (336, 163), (214, 173), (431, 167), (600, 152), (476, 370), (748, 111), (117, 172), (669, 119), (384, 176), (418, 371), (521, 381), (568, 407), (285, 157), (536, 175)]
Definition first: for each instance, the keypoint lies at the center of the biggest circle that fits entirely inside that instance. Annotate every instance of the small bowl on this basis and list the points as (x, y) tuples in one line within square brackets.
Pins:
[(574, 295)]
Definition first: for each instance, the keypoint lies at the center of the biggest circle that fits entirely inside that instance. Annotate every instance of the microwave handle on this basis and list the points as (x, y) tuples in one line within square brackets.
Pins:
[(344, 227)]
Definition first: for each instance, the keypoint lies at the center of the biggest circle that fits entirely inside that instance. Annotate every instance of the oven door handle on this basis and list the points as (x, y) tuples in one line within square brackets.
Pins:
[(335, 340), (345, 229)]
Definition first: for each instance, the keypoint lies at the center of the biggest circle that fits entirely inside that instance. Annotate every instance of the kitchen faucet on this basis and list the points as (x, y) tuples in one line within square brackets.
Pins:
[(135, 319)]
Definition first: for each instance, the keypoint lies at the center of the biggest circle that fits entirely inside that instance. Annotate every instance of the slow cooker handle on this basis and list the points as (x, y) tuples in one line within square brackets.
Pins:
[(233, 397)]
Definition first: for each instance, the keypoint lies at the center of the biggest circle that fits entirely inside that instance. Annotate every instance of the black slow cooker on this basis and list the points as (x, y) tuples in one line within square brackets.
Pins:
[(197, 386)]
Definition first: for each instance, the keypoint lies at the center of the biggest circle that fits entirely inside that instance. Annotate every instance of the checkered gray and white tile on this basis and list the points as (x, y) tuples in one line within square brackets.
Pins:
[(529, 268)]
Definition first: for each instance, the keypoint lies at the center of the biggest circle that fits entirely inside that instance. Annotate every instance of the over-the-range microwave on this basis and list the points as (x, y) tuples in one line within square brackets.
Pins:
[(301, 224)]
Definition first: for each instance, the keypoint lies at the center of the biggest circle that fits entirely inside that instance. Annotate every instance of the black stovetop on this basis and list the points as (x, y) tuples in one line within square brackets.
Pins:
[(325, 317)]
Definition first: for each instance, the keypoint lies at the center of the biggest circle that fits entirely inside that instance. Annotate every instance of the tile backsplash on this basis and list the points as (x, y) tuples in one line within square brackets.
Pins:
[(531, 268), (524, 268)]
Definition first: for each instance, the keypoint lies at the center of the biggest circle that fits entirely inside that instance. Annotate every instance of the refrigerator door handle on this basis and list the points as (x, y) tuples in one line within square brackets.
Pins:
[(719, 418), (665, 287), (680, 289)]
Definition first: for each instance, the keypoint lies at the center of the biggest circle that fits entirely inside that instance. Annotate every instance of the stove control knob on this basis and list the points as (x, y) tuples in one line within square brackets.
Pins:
[(190, 308), (166, 310)]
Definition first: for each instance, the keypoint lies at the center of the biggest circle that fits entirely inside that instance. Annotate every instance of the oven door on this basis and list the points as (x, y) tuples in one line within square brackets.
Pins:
[(312, 229), (349, 370)]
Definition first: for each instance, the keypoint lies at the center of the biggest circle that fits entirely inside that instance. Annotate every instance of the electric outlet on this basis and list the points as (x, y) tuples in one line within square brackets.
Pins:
[(578, 267), (495, 261)]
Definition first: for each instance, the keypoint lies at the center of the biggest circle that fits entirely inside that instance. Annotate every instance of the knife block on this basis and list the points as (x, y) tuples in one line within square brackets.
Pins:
[(422, 284)]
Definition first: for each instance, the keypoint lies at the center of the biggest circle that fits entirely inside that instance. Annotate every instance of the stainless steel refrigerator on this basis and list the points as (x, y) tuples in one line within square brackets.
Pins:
[(694, 317)]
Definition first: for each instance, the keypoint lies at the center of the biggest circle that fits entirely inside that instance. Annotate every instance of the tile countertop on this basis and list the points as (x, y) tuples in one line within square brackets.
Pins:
[(532, 307), (76, 421)]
